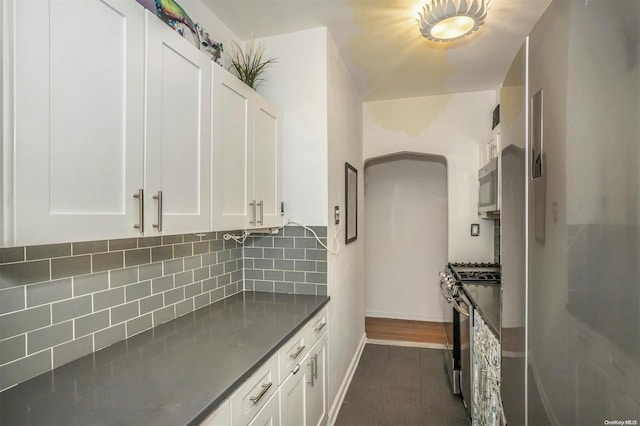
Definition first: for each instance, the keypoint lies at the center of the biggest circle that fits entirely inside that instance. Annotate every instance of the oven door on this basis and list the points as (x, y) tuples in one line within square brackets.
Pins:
[(465, 314), (451, 334)]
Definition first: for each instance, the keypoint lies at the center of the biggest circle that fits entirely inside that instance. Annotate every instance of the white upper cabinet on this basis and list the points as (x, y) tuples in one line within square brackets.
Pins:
[(232, 151), (267, 165), (178, 133), (247, 152), (76, 149), (490, 148), (100, 113)]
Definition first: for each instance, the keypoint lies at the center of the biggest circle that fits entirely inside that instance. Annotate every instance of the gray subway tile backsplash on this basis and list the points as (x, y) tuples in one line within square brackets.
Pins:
[(12, 299), (47, 337), (151, 303), (137, 291), (108, 298), (122, 277), (91, 323), (139, 324), (163, 315), (72, 350), (48, 251), (88, 247), (63, 267), (150, 271), (123, 244), (24, 368), (88, 284), (20, 322), (109, 336), (14, 274), (49, 292), (12, 349), (72, 308), (125, 312), (12, 254), (100, 292), (107, 261), (287, 262)]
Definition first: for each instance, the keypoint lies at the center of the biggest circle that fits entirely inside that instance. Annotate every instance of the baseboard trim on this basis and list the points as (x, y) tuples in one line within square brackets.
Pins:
[(407, 344), (404, 316), (337, 402)]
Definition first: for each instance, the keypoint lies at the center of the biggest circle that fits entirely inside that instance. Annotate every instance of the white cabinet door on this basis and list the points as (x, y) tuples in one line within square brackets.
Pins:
[(178, 133), (316, 392), (267, 163), (232, 152), (78, 115), (292, 394), (270, 413), (247, 156)]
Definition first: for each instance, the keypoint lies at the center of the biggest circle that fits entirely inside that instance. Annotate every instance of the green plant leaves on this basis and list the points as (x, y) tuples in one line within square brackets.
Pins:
[(249, 65)]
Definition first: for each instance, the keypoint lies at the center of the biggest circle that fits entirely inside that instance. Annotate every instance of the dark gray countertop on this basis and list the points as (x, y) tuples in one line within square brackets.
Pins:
[(173, 374), (486, 299)]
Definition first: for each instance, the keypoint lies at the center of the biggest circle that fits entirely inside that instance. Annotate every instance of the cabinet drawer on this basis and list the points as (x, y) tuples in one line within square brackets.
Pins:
[(254, 393), (293, 351), (317, 326), (270, 413)]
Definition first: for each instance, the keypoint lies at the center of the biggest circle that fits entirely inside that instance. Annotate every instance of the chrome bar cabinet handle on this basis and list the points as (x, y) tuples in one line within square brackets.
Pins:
[(261, 205), (265, 388), (140, 196), (159, 198), (312, 381), (253, 205), (300, 349)]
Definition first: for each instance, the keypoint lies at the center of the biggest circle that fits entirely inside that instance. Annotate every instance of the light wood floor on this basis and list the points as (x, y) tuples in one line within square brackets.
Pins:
[(404, 330)]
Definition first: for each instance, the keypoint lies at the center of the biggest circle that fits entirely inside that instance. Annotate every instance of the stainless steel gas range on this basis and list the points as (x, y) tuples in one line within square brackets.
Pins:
[(453, 281)]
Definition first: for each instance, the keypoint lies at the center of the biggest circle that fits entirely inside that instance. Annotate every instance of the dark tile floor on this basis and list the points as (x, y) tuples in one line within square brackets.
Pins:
[(396, 385)]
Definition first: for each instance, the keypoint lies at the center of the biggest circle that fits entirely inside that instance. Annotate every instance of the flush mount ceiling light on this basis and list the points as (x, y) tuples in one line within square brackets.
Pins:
[(448, 20)]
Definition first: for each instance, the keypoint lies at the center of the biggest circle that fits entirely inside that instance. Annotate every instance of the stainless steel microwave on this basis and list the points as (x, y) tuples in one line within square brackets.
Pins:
[(489, 193)]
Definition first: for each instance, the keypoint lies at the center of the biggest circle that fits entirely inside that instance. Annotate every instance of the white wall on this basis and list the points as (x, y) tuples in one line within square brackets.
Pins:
[(218, 31), (346, 270), (406, 244), (451, 126), (322, 130), (298, 84)]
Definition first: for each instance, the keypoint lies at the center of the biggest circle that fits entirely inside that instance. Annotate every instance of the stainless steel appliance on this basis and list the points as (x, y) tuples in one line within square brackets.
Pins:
[(458, 333), (488, 191)]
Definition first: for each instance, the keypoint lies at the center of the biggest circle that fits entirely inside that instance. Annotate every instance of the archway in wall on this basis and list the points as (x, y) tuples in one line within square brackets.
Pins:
[(406, 224)]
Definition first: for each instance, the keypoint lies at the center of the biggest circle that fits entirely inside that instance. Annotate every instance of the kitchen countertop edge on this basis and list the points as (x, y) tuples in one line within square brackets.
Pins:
[(224, 395)]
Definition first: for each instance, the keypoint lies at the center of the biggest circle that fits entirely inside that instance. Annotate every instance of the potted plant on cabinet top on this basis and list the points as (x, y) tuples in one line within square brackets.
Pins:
[(249, 65)]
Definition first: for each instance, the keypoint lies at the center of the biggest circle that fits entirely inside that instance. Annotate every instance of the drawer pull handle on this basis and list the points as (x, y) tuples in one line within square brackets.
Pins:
[(299, 351), (265, 388), (320, 327)]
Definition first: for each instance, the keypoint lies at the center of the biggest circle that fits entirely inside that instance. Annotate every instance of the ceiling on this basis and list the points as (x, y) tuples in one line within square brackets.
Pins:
[(382, 47)]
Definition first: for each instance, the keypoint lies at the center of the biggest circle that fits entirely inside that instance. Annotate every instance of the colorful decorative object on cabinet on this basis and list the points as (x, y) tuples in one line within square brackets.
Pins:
[(171, 13)]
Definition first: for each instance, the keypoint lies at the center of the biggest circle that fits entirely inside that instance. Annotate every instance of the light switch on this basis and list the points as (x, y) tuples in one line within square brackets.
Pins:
[(475, 229)]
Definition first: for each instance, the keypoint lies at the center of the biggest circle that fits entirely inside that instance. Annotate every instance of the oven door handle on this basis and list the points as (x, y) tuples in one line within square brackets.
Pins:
[(459, 308)]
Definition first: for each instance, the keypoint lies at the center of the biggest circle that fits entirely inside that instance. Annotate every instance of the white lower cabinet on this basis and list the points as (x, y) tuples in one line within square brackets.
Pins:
[(282, 392), (292, 397), (316, 386), (270, 413), (254, 393)]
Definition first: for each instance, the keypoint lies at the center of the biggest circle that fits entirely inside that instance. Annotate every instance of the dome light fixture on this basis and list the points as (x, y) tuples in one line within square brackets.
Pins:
[(448, 20)]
